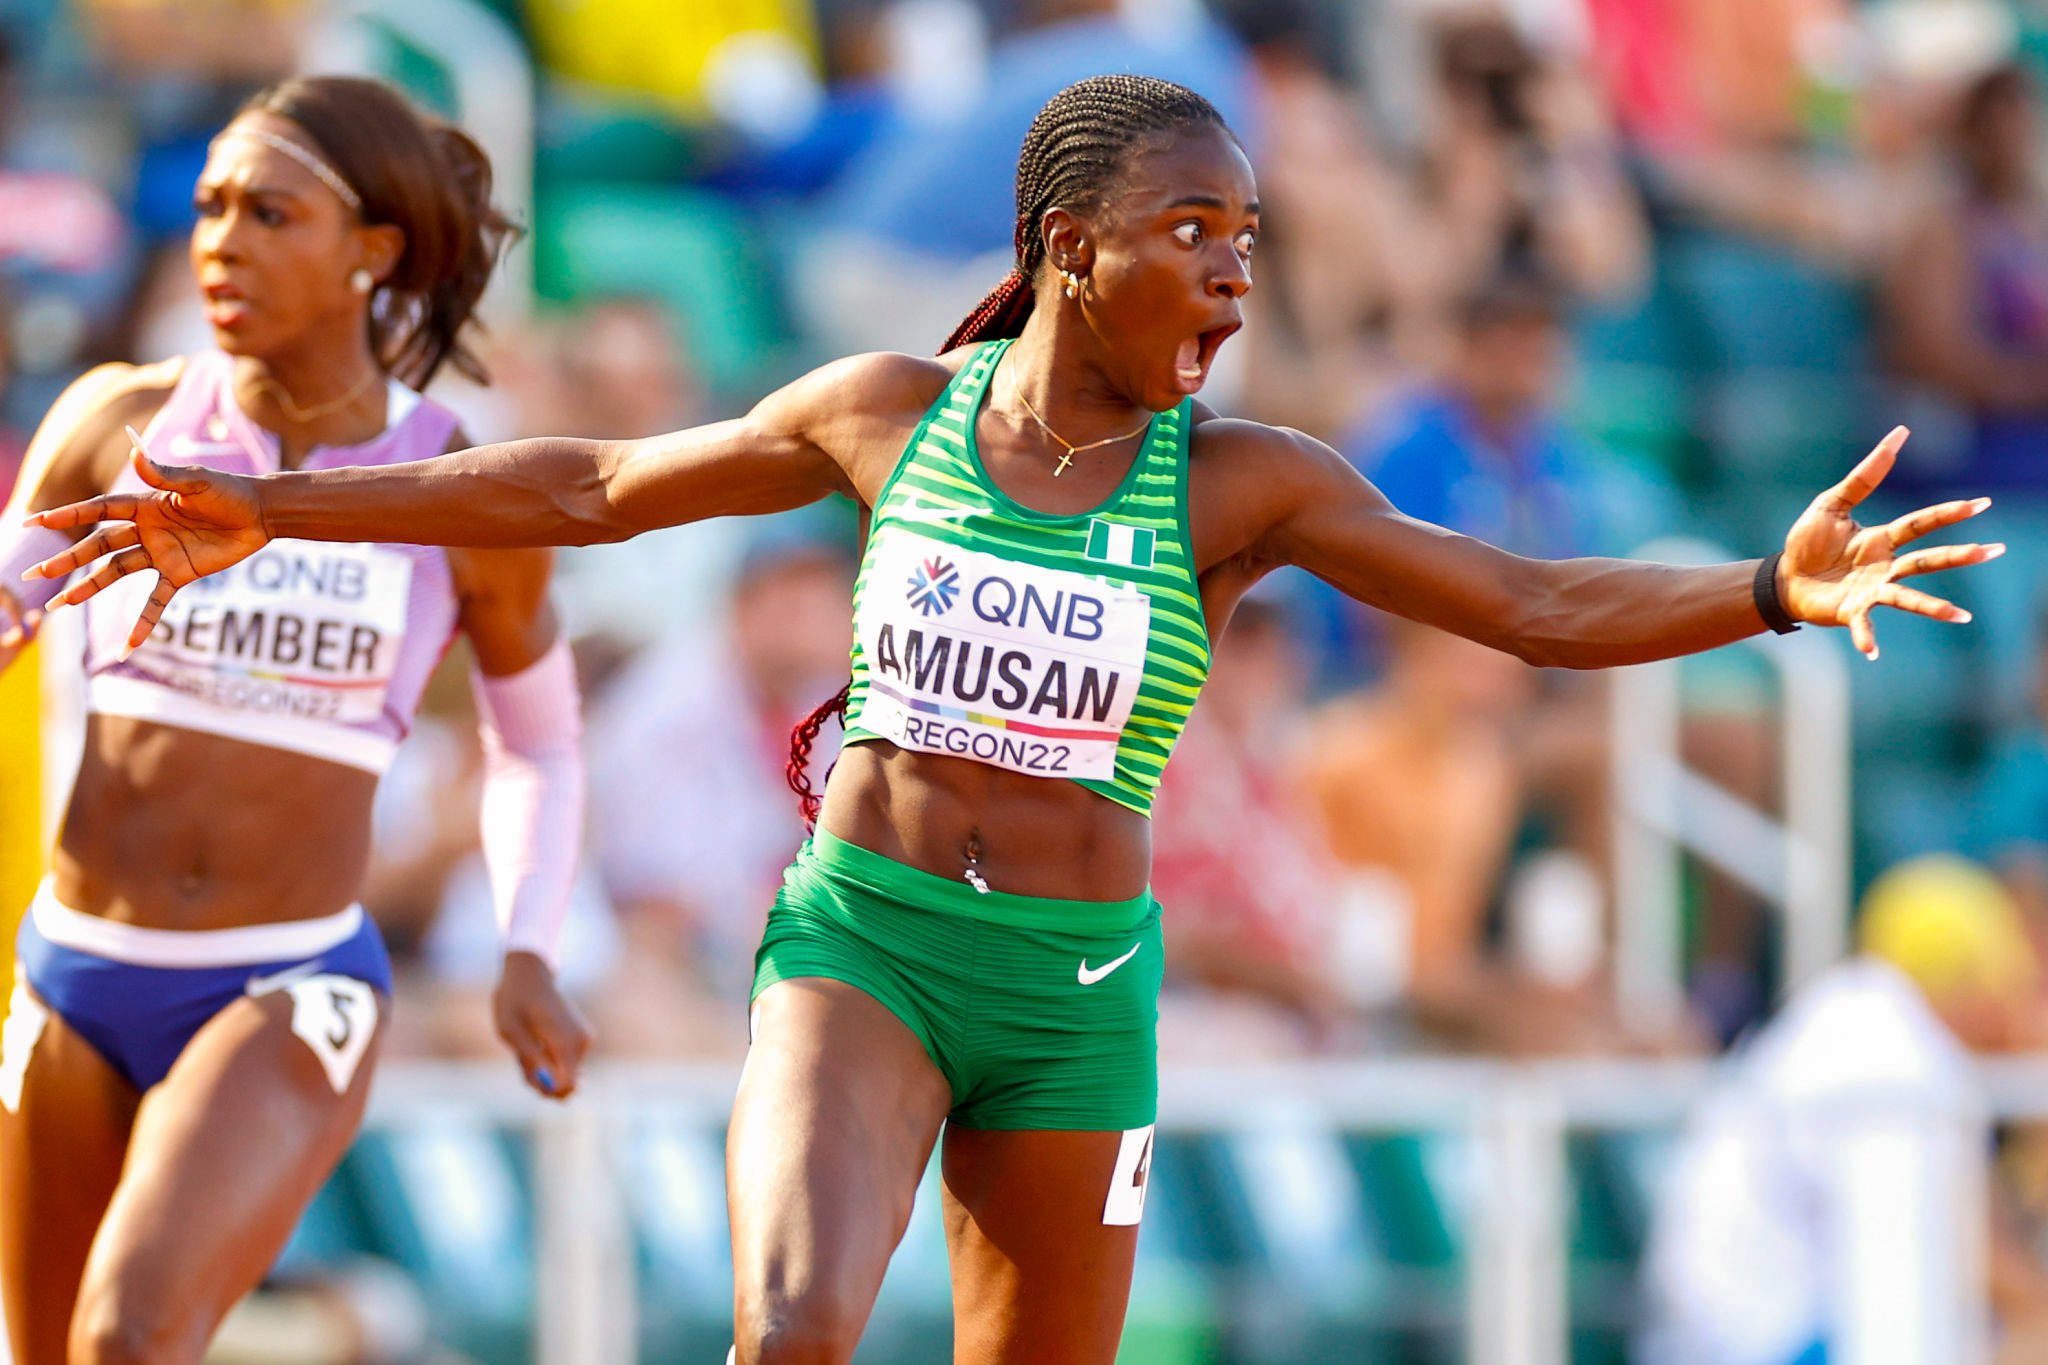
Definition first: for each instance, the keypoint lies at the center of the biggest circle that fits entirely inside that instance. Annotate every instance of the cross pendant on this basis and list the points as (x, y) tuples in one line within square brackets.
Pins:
[(1061, 467)]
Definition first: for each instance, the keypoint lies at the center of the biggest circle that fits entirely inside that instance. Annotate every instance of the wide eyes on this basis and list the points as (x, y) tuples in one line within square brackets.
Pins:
[(1192, 234)]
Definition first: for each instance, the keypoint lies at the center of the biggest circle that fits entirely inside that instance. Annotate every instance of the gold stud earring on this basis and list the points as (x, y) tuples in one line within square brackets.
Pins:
[(1072, 283), (362, 281)]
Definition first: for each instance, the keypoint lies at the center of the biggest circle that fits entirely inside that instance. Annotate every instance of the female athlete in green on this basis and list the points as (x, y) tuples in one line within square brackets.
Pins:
[(1056, 533)]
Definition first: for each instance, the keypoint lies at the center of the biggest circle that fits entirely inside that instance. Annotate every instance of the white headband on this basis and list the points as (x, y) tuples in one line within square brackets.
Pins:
[(329, 177)]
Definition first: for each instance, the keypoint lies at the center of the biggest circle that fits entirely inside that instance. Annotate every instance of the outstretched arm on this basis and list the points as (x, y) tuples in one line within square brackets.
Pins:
[(785, 453), (560, 491), (1599, 613)]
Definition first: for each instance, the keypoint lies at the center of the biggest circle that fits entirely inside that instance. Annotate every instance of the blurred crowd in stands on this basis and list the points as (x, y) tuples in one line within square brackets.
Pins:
[(1578, 276)]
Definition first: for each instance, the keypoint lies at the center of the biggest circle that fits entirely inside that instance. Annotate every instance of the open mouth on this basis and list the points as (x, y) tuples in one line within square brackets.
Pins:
[(1191, 363), (225, 304)]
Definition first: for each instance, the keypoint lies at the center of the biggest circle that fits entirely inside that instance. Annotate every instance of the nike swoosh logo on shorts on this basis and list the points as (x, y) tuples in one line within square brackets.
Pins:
[(1088, 975)]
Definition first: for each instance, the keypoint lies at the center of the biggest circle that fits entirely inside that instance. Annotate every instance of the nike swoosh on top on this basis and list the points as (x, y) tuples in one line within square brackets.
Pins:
[(1088, 976)]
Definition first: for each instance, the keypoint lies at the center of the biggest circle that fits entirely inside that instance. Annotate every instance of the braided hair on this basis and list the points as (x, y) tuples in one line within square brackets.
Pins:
[(1078, 148)]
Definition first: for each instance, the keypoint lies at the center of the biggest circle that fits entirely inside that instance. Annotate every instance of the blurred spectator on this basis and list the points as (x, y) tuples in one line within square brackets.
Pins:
[(1350, 287), (692, 822), (1967, 298), (1820, 1206), (922, 220), (1254, 902), (1966, 316), (245, 42), (886, 62), (1484, 451), (1522, 170), (618, 369), (949, 191), (1423, 777), (1801, 121)]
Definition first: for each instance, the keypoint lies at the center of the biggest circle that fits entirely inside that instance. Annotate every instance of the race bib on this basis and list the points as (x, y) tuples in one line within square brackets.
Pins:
[(335, 1016), (1131, 1180), (1026, 668), (300, 628)]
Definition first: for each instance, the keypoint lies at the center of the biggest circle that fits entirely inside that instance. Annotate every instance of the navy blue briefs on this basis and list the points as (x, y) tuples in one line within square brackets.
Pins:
[(138, 995)]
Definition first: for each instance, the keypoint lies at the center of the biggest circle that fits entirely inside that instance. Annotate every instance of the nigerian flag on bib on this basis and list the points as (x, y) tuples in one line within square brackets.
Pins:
[(1115, 542)]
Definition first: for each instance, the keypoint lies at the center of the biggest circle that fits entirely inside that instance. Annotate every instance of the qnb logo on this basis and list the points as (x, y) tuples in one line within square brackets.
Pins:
[(934, 586)]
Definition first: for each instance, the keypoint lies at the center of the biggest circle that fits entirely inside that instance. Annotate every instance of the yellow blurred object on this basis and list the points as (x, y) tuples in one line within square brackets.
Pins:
[(21, 789), (661, 49), (1951, 926)]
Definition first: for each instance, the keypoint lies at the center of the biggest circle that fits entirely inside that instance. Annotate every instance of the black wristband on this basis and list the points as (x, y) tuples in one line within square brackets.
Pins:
[(1764, 588)]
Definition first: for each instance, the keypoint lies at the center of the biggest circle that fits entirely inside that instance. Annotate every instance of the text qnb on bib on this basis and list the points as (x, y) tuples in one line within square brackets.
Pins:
[(1024, 667), (301, 628)]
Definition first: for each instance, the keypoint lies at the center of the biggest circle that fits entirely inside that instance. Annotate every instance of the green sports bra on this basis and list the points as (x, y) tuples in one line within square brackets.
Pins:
[(1055, 646)]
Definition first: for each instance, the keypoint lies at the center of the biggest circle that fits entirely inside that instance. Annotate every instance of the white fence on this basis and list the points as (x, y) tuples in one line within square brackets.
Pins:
[(1516, 1115)]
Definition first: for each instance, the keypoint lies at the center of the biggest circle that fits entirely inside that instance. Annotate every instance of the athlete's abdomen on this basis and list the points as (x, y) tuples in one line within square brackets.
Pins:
[(1055, 840), (177, 829)]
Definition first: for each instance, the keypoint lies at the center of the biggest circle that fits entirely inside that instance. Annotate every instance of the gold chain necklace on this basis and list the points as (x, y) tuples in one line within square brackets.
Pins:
[(1072, 449), (300, 415)]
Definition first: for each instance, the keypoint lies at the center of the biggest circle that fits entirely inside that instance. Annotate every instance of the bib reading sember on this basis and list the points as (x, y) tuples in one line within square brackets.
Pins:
[(300, 628)]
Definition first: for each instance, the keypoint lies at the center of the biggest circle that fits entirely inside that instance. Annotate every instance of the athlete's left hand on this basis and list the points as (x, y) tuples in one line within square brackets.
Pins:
[(1835, 572), (546, 1033)]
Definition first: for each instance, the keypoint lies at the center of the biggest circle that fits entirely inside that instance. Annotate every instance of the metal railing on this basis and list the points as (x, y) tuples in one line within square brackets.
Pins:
[(1517, 1116), (1799, 865)]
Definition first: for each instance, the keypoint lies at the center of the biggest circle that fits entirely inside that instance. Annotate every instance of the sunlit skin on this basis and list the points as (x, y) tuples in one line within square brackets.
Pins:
[(264, 251), (130, 1224), (840, 1106)]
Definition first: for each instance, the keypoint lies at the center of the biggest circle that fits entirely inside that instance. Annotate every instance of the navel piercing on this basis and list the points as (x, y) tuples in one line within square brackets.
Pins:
[(973, 872)]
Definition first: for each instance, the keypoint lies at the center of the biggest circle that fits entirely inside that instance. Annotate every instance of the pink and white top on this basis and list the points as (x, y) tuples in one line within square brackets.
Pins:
[(314, 647)]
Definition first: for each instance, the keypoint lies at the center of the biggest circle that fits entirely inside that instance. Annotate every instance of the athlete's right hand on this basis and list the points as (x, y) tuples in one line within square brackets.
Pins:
[(196, 522), (547, 1034)]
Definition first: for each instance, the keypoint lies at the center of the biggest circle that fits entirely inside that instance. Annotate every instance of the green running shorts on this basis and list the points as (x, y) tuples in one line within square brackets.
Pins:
[(1040, 1013)]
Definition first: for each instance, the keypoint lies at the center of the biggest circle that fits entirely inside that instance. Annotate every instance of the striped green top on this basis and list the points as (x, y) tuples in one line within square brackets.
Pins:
[(1058, 646)]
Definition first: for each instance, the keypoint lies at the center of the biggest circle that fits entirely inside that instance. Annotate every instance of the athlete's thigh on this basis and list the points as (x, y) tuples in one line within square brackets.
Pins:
[(1041, 1249), (837, 1112), (61, 1147), (228, 1150)]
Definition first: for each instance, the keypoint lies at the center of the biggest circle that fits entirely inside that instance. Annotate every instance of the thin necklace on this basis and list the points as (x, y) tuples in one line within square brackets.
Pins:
[(1072, 449), (300, 415)]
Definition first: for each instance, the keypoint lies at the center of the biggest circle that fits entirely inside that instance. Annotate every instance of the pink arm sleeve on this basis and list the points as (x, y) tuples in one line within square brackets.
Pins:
[(532, 809), (22, 548)]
